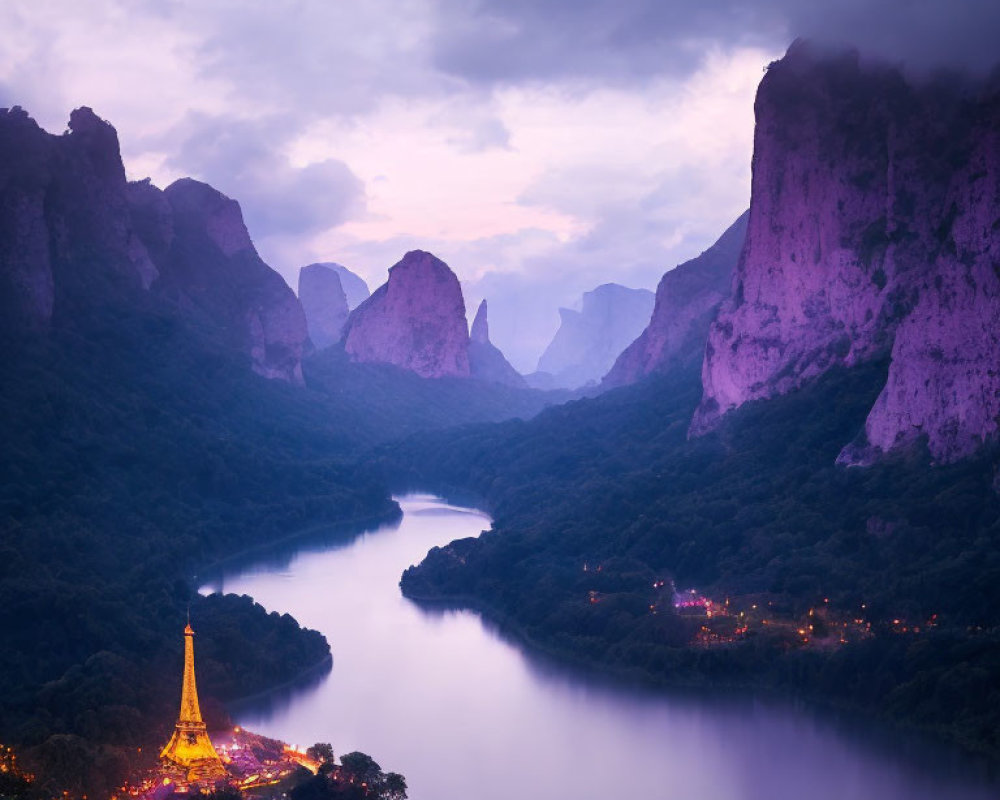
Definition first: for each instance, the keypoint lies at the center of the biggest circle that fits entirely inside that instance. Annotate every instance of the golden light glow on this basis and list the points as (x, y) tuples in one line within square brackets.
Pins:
[(189, 747)]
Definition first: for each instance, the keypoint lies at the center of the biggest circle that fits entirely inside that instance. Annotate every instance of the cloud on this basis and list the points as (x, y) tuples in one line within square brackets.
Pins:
[(633, 242), (483, 134), (922, 34), (540, 146), (511, 42), (246, 159), (317, 58), (517, 41)]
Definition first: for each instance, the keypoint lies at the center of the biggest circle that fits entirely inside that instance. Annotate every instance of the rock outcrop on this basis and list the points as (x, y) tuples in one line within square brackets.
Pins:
[(486, 362), (65, 237), (324, 303), (75, 234), (354, 286), (687, 301), (588, 341), (416, 320), (944, 377), (210, 267), (873, 230)]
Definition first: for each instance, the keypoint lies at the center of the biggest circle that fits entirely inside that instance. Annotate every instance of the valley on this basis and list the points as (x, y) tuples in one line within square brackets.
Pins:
[(751, 519)]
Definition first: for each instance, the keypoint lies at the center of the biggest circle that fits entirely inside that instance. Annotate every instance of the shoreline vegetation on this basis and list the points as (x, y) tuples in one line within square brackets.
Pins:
[(757, 510), (315, 670), (116, 489), (142, 454), (347, 529), (689, 680)]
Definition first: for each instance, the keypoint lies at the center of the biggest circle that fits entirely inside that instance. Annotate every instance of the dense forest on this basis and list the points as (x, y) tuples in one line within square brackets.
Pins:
[(381, 402), (602, 506), (138, 449), (135, 450)]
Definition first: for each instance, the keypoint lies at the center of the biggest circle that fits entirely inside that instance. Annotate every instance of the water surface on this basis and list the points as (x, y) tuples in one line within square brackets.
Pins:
[(464, 714)]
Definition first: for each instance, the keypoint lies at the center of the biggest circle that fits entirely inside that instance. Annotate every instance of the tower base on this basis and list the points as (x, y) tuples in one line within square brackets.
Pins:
[(191, 750)]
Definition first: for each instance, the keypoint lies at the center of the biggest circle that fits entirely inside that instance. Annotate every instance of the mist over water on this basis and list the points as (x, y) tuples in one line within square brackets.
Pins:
[(463, 713)]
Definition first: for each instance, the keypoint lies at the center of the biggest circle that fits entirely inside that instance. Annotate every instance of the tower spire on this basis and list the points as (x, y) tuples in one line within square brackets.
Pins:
[(190, 747)]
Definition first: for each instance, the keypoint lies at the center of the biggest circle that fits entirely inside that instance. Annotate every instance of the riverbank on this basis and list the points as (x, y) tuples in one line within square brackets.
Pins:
[(727, 670), (442, 693), (348, 528)]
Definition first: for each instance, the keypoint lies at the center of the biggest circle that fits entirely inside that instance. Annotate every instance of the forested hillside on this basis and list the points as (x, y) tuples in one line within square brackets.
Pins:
[(135, 450), (601, 505)]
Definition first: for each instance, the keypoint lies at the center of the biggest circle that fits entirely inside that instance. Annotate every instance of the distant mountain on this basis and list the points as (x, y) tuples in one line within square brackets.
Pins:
[(66, 240), (354, 286), (687, 300), (866, 296), (486, 362), (873, 232), (416, 320), (76, 236), (324, 303), (139, 446), (588, 341), (210, 267)]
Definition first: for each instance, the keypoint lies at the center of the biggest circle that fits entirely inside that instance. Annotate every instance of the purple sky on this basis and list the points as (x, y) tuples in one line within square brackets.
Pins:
[(540, 147)]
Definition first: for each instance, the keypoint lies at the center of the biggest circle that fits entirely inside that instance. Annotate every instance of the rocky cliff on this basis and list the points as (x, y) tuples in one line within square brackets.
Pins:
[(486, 362), (687, 300), (354, 286), (416, 320), (74, 234), (65, 237), (944, 377), (324, 303), (211, 268), (588, 341), (872, 231)]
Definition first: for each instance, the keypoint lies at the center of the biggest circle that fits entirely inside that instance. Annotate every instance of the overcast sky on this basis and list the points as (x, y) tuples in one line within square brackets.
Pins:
[(540, 147)]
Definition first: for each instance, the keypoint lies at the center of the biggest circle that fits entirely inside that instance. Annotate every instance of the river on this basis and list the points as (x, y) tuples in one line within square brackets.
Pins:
[(466, 714)]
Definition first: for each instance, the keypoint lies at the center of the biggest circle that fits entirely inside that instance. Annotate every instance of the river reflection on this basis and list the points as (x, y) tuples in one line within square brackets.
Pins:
[(464, 714)]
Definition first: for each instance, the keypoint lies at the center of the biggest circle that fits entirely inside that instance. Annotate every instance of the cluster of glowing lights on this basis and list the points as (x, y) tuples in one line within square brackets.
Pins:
[(819, 625), (8, 764)]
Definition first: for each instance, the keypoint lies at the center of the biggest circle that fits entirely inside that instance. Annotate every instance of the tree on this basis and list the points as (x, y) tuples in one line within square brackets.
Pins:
[(362, 767), (322, 752), (394, 787)]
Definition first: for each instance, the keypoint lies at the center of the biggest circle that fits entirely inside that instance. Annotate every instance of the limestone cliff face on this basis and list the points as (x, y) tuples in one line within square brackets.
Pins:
[(872, 213), (354, 286), (65, 235), (486, 362), (75, 234), (416, 320), (27, 292), (208, 265), (324, 303), (944, 377), (687, 301), (588, 341)]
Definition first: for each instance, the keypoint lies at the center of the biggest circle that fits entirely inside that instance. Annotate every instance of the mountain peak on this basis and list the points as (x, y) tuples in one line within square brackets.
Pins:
[(416, 320), (324, 303), (355, 288), (480, 325), (588, 341), (219, 215), (486, 362), (686, 302), (871, 234)]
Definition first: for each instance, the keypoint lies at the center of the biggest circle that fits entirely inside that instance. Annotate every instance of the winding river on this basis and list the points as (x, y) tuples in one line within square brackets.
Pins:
[(465, 714)]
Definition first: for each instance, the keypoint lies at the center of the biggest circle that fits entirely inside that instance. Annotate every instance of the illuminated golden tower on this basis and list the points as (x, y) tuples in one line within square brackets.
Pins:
[(189, 747)]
